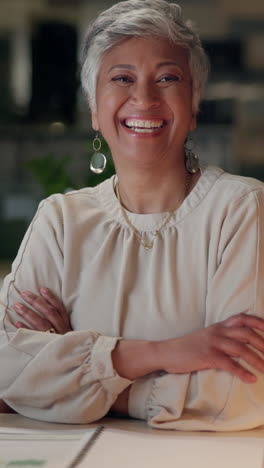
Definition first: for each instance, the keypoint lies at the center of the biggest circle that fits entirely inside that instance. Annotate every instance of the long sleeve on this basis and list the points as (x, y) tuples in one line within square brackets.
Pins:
[(205, 266), (45, 376), (213, 399)]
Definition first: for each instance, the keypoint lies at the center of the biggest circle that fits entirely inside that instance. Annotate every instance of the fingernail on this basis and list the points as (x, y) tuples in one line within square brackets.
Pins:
[(19, 307), (44, 290)]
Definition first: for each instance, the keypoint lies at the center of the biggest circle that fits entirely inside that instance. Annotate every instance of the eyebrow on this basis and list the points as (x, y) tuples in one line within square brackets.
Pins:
[(159, 65)]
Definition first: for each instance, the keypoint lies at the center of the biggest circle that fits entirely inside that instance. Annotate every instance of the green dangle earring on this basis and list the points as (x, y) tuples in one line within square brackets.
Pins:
[(98, 160)]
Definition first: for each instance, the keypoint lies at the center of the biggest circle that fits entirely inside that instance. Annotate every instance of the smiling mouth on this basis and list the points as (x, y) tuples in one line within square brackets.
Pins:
[(144, 126)]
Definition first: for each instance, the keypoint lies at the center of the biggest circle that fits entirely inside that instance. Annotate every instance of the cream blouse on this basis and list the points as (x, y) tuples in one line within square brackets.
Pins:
[(206, 265)]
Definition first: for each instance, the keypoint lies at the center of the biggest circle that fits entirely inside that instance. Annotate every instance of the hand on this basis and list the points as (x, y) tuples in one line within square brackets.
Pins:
[(53, 313), (120, 406), (215, 347)]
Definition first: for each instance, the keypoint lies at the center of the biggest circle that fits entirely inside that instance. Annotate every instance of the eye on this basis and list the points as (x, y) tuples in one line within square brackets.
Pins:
[(169, 78), (123, 79)]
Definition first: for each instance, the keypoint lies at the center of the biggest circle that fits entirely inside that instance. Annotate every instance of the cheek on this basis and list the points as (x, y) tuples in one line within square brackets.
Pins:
[(109, 105), (175, 96)]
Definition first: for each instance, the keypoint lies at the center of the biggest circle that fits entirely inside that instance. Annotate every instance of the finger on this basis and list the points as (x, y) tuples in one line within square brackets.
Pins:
[(242, 351), (246, 335), (234, 368), (48, 311), (52, 300), (21, 325), (59, 306), (244, 320), (36, 301), (34, 320)]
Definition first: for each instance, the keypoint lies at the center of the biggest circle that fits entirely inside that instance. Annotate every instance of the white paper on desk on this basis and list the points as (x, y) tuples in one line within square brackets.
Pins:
[(119, 449), (41, 449)]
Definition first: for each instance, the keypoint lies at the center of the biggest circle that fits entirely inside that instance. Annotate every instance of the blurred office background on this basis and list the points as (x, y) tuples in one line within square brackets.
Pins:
[(44, 116)]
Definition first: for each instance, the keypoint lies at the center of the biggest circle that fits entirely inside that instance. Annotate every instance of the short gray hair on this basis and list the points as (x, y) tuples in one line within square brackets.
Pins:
[(142, 18)]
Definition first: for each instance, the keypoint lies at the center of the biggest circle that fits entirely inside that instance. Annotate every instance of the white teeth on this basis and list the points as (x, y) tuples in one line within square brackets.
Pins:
[(143, 130), (143, 124)]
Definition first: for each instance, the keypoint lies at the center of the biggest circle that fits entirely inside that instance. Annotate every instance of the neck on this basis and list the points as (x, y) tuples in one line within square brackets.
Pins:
[(148, 191)]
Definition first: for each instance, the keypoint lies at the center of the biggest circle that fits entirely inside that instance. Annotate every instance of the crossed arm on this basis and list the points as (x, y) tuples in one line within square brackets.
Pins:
[(206, 372), (213, 347)]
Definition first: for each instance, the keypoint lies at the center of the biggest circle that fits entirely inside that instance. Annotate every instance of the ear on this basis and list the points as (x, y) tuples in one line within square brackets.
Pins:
[(95, 122), (193, 123)]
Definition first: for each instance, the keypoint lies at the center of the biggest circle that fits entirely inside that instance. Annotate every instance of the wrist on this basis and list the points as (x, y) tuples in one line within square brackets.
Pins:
[(135, 358), (168, 355)]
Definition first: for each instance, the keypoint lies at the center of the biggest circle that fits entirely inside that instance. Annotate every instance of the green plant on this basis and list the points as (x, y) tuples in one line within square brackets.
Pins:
[(53, 176), (51, 173)]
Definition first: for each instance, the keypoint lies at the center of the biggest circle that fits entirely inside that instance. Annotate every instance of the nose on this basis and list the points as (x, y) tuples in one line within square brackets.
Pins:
[(145, 95)]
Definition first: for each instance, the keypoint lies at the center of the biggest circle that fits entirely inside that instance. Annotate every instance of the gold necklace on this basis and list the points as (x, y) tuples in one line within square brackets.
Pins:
[(148, 244)]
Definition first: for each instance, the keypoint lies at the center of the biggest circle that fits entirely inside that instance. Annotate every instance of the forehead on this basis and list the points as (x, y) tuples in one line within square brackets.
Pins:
[(144, 52)]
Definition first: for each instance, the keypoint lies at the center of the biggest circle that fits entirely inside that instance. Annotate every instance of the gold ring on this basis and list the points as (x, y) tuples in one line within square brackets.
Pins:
[(50, 330)]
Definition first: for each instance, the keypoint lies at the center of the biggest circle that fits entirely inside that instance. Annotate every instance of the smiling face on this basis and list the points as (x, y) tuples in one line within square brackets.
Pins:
[(144, 101)]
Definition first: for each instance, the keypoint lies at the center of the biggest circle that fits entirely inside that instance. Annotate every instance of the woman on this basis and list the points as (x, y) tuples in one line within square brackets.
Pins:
[(159, 269)]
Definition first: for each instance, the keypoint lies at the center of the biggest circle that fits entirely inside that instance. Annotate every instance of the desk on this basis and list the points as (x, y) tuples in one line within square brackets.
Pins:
[(15, 420), (121, 429)]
